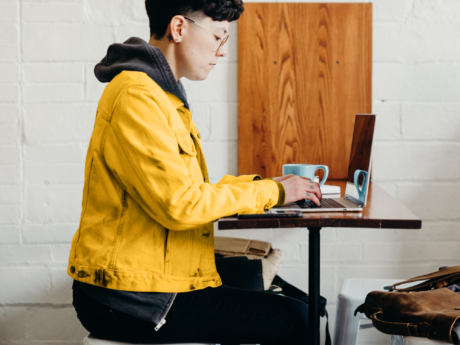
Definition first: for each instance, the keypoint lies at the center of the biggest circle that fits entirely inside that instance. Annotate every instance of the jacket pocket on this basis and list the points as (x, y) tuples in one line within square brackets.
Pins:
[(178, 255), (185, 144), (187, 151)]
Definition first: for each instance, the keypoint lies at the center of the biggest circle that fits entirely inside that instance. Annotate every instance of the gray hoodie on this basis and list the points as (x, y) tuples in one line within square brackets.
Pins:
[(135, 54)]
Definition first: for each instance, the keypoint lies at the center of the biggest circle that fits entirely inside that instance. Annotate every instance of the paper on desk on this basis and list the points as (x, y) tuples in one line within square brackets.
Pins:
[(327, 189)]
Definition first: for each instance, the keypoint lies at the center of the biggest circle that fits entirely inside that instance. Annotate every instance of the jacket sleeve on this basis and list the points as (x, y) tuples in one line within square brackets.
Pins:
[(141, 150), (230, 179)]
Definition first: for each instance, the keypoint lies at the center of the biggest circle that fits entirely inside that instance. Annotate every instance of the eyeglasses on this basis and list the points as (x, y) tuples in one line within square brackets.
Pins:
[(222, 39)]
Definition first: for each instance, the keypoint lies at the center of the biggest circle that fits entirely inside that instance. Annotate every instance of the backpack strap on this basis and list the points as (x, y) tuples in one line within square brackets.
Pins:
[(293, 292), (328, 340)]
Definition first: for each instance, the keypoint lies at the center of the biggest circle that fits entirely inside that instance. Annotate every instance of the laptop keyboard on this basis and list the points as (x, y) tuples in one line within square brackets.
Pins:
[(325, 203)]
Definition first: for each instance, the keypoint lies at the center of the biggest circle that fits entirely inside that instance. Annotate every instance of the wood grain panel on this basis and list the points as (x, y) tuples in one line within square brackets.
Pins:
[(304, 72)]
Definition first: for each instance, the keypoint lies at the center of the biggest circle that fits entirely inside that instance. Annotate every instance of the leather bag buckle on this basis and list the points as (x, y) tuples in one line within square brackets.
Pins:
[(412, 329)]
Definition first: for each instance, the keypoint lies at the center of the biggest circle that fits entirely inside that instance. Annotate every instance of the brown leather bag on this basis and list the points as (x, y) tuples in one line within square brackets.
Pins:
[(427, 309)]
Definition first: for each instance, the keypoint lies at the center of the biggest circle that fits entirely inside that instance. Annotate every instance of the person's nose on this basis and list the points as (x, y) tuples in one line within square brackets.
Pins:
[(222, 51)]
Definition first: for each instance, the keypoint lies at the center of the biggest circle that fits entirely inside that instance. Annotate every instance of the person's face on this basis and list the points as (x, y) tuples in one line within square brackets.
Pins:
[(197, 54)]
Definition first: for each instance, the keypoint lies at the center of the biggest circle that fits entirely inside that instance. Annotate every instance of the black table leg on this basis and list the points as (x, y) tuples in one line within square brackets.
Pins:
[(313, 286)]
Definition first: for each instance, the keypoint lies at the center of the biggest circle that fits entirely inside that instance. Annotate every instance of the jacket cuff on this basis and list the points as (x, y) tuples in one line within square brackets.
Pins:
[(282, 192), (282, 195), (269, 194)]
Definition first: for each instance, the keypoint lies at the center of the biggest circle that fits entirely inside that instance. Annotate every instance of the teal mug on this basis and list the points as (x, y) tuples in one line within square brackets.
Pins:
[(306, 170), (362, 190)]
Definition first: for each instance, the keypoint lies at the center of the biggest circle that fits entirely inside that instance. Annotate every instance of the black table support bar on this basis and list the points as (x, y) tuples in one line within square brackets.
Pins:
[(313, 285)]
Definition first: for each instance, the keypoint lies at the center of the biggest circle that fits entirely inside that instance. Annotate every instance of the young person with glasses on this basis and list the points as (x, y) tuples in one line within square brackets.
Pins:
[(144, 250)]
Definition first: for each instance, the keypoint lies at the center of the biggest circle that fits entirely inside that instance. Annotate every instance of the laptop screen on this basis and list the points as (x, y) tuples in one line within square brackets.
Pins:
[(359, 167)]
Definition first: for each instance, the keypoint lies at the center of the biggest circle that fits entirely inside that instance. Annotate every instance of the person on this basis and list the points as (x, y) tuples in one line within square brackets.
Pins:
[(144, 250)]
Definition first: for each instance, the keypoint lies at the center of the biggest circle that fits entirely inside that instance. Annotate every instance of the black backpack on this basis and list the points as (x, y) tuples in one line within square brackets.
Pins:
[(244, 273)]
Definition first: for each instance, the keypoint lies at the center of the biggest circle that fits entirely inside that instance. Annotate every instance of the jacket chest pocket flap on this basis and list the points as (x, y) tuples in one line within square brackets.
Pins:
[(185, 144)]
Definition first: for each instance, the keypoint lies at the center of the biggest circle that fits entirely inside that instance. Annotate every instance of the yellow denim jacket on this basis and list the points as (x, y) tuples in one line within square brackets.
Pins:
[(148, 207)]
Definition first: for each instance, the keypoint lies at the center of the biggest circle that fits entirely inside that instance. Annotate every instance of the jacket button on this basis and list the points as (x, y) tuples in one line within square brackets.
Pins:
[(72, 269)]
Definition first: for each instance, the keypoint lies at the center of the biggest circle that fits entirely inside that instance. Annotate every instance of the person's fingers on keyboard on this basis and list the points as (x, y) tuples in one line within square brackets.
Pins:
[(313, 198), (310, 187), (295, 188), (313, 187), (318, 188)]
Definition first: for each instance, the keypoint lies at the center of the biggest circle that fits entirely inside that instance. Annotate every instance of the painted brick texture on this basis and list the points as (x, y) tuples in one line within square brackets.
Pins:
[(48, 100)]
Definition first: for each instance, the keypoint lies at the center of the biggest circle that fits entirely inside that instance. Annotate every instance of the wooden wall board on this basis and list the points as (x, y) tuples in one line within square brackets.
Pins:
[(304, 72)]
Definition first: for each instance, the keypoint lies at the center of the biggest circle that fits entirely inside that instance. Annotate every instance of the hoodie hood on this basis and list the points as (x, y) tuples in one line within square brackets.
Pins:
[(137, 55)]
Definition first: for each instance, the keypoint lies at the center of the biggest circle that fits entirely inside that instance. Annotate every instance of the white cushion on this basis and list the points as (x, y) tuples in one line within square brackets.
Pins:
[(90, 340), (402, 340)]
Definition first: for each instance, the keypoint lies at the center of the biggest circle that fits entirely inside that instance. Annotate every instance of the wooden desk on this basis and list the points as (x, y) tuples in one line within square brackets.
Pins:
[(382, 212)]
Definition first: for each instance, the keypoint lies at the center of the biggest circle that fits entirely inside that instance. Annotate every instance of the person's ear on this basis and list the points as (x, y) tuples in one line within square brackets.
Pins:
[(177, 29)]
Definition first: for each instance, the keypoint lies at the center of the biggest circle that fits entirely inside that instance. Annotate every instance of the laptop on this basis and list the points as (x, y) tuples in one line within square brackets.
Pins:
[(359, 170)]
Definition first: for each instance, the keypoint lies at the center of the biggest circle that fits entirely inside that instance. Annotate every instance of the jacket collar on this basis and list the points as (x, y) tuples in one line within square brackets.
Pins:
[(184, 113), (174, 100)]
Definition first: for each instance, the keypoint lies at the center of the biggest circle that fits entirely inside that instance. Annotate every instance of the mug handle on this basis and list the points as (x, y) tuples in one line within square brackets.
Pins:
[(356, 179), (324, 168)]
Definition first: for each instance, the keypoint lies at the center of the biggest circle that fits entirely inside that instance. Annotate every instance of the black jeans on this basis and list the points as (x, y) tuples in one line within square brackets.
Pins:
[(213, 315)]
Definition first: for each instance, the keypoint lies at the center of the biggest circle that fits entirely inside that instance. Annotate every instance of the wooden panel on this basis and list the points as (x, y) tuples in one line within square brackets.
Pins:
[(382, 211), (304, 72)]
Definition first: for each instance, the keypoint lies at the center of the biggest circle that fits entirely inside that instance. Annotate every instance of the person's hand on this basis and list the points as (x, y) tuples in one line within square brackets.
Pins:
[(298, 188), (281, 178)]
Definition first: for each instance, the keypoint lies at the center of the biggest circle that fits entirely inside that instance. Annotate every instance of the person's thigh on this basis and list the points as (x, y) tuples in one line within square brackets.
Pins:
[(230, 315), (219, 315), (95, 317)]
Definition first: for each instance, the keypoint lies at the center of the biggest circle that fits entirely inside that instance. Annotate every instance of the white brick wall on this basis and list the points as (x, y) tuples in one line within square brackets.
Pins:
[(48, 98)]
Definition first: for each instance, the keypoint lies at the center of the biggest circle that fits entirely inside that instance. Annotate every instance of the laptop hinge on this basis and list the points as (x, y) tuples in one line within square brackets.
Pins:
[(354, 200)]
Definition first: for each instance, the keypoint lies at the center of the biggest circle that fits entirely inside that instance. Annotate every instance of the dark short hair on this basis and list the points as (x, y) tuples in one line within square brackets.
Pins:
[(160, 12)]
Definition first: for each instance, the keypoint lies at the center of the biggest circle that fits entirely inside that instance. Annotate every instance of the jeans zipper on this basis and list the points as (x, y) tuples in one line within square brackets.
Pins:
[(163, 319)]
